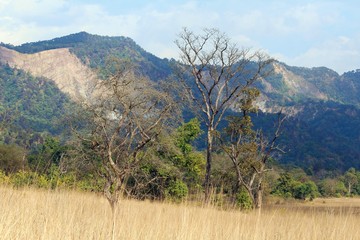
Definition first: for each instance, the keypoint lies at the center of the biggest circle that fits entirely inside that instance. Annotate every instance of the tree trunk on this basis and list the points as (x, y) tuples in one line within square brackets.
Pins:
[(207, 183), (258, 200), (113, 224)]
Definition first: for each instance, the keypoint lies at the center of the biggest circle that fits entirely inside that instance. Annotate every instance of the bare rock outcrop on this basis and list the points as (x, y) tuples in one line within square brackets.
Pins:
[(60, 65)]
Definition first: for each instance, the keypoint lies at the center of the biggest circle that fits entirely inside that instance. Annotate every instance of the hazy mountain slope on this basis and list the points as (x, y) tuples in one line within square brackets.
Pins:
[(289, 85)]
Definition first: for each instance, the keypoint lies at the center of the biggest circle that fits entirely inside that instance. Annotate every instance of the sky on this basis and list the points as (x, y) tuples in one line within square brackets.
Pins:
[(298, 32)]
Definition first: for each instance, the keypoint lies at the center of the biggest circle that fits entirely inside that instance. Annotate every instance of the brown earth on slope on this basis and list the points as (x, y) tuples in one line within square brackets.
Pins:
[(59, 65)]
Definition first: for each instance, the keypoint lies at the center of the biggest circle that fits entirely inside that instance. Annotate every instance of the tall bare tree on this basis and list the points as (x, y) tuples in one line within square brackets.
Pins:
[(215, 71), (126, 115)]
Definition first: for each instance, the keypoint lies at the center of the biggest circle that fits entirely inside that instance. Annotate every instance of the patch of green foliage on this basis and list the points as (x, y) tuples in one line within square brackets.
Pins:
[(288, 187), (243, 200)]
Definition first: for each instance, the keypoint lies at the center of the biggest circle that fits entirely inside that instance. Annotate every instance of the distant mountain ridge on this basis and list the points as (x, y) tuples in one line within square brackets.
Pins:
[(322, 133), (286, 86), (289, 85), (94, 50)]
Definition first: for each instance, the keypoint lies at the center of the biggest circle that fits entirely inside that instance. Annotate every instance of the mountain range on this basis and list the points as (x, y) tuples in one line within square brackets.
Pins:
[(322, 133)]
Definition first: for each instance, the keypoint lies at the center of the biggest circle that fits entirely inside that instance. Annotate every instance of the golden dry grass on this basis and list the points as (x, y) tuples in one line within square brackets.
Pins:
[(36, 214)]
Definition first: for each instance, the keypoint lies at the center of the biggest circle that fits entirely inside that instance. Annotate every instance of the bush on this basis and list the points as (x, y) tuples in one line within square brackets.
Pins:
[(332, 188), (11, 158), (305, 190), (288, 187), (42, 182), (23, 178), (243, 200), (177, 190), (3, 178)]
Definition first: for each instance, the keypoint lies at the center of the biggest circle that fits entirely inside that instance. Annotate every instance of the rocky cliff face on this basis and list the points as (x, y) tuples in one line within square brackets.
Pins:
[(59, 65), (297, 85)]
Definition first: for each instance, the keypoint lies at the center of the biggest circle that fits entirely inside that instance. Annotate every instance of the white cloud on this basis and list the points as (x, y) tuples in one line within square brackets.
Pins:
[(308, 33), (31, 8), (341, 54)]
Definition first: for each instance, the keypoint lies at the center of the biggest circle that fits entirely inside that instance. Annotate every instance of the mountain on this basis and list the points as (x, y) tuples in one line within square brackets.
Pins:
[(79, 52), (322, 132), (95, 50)]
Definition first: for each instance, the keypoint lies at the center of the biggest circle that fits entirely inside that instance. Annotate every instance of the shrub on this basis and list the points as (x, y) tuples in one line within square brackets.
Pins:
[(22, 179), (243, 200), (177, 190), (11, 158), (332, 188), (3, 178), (305, 190)]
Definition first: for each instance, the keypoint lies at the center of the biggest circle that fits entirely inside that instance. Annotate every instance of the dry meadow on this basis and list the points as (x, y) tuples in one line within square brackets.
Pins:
[(39, 214)]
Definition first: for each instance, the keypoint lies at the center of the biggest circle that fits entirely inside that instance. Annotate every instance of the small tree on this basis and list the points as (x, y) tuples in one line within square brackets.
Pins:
[(125, 115), (350, 179), (248, 150), (332, 188), (214, 74), (11, 158)]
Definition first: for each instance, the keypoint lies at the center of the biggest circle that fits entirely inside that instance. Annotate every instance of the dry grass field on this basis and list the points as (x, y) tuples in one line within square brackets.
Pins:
[(38, 214)]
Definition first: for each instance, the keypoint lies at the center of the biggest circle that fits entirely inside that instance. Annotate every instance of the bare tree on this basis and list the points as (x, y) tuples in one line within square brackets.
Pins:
[(249, 150), (126, 115), (215, 71)]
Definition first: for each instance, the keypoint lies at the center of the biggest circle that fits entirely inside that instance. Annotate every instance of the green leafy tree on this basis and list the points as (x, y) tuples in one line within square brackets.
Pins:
[(329, 187), (12, 158), (288, 187), (306, 190), (350, 179), (357, 186), (50, 153), (191, 161)]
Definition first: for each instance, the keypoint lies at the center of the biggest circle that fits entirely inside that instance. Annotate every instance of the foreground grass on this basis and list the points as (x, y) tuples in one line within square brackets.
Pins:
[(35, 214)]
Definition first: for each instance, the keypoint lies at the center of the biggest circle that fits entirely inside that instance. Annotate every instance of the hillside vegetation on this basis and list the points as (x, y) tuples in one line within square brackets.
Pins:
[(35, 105)]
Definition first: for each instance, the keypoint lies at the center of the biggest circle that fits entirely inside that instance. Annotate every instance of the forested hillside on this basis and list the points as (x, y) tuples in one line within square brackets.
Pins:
[(33, 105), (323, 136)]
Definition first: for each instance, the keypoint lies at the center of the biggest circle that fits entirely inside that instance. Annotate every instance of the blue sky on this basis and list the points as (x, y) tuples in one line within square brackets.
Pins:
[(300, 33)]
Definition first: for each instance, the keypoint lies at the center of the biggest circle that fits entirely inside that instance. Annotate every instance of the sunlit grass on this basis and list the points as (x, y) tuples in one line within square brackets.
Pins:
[(38, 214)]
